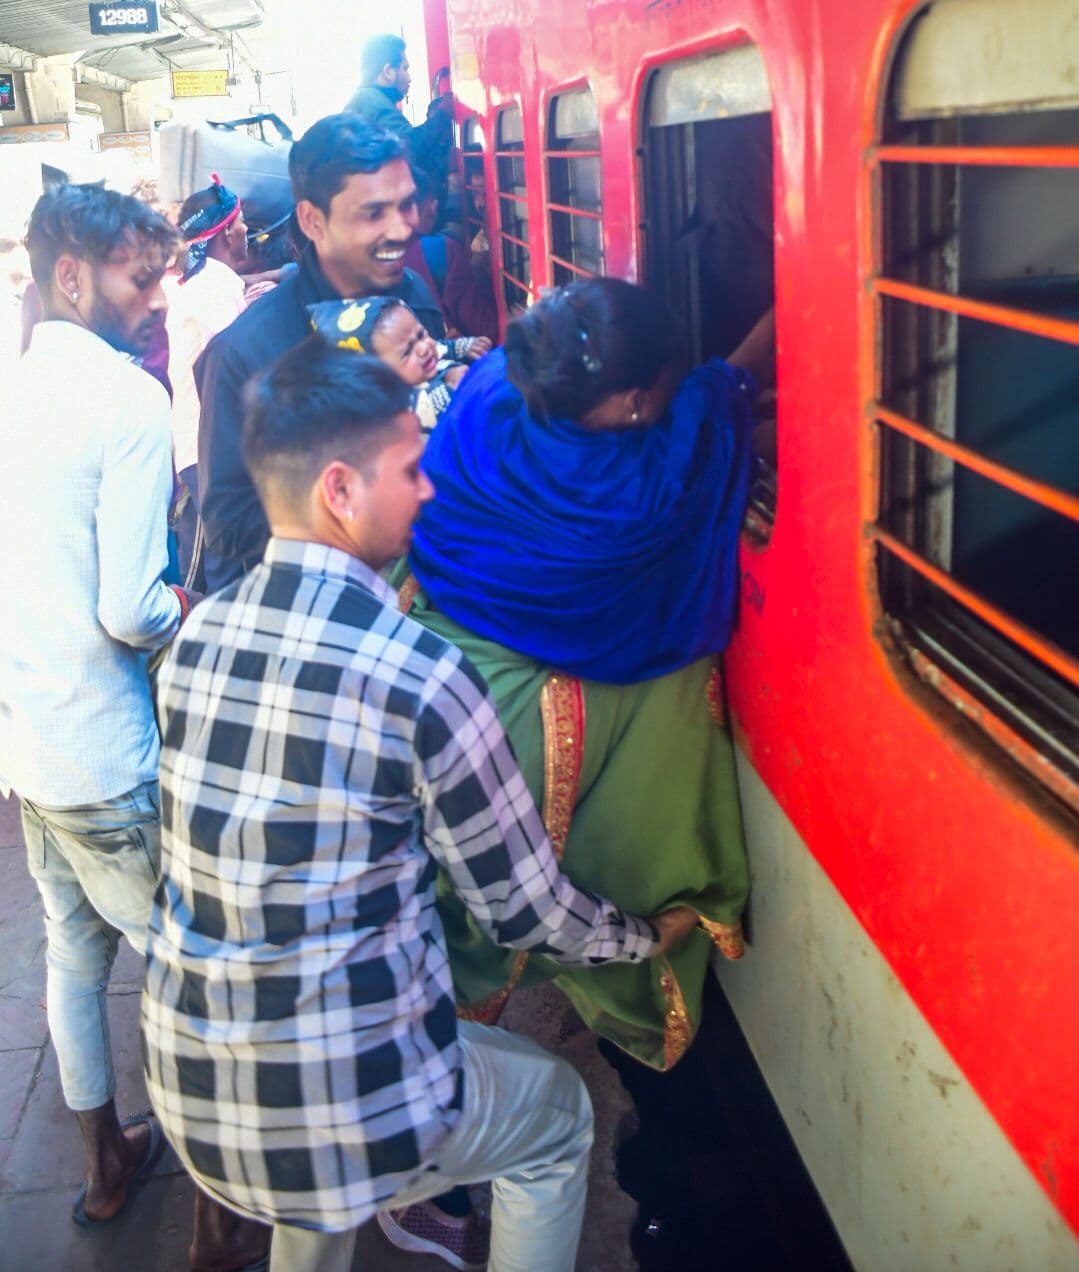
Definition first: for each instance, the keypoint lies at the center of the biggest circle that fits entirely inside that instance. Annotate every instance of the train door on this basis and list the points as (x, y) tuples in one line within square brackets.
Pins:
[(706, 142), (706, 135)]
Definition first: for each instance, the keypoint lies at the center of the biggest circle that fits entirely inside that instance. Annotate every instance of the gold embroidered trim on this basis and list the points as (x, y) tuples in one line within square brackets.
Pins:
[(717, 706), (727, 937), (562, 710), (407, 593), (677, 1028), (488, 1010)]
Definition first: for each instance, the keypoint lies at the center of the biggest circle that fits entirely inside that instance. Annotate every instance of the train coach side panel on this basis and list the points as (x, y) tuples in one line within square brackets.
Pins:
[(962, 881)]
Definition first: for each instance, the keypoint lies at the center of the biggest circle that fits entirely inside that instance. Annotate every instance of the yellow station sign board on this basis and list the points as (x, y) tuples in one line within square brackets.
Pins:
[(200, 83)]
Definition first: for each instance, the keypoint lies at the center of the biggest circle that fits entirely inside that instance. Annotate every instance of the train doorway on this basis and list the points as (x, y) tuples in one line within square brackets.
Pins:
[(708, 233)]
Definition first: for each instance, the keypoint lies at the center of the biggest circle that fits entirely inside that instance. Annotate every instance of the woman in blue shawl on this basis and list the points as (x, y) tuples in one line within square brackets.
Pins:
[(581, 549)]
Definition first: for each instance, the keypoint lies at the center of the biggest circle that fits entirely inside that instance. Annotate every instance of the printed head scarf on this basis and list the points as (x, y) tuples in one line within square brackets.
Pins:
[(350, 324), (204, 225)]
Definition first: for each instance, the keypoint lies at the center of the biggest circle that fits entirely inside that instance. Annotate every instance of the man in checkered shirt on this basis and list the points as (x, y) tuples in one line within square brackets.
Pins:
[(322, 756)]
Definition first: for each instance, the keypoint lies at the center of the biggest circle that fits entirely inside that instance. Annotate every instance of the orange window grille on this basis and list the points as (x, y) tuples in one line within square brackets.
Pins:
[(976, 293), (516, 268), (574, 187)]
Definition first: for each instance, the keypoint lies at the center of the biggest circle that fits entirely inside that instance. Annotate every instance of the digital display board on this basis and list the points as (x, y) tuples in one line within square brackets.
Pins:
[(123, 18), (7, 92)]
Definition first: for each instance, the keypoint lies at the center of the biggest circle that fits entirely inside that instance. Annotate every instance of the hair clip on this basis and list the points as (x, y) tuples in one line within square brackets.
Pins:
[(592, 364)]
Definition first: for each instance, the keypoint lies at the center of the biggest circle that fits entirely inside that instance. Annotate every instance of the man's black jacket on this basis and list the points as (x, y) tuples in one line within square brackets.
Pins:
[(233, 521)]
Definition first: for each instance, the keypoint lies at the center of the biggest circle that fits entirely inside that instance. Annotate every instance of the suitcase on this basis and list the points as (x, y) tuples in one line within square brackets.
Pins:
[(257, 170)]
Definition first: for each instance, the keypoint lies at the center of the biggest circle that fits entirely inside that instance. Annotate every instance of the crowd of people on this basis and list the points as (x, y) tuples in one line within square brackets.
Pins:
[(363, 781)]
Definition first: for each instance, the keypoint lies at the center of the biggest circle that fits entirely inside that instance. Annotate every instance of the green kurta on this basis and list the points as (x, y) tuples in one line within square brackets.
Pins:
[(656, 823)]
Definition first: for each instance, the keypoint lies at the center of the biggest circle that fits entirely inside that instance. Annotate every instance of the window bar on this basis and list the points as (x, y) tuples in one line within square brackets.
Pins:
[(573, 154), (1051, 655), (511, 239), (1038, 492), (595, 216), (990, 156), (517, 198), (1015, 745), (576, 269), (510, 278), (1003, 315)]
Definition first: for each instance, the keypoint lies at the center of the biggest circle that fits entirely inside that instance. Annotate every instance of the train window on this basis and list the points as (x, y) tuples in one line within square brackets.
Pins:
[(475, 181), (573, 186), (513, 208), (708, 233), (977, 410)]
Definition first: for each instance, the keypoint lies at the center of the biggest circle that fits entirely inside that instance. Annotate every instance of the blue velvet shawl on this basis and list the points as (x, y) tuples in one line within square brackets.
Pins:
[(609, 555)]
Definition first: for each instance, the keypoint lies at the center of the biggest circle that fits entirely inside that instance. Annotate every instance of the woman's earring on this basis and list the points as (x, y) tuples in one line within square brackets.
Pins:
[(635, 417), (74, 297)]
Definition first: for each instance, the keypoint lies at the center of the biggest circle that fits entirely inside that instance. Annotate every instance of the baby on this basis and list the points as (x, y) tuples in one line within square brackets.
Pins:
[(387, 328)]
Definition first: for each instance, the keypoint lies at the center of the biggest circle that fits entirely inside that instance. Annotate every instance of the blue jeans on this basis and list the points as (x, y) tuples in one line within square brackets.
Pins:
[(527, 1126), (96, 867)]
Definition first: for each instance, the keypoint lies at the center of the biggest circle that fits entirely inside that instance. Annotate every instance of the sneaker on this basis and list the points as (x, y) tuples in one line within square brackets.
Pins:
[(423, 1229)]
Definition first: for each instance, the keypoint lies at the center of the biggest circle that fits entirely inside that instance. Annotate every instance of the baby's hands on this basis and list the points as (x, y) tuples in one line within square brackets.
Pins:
[(479, 346)]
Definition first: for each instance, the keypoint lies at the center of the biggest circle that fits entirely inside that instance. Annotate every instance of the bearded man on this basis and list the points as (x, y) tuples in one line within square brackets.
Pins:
[(86, 442)]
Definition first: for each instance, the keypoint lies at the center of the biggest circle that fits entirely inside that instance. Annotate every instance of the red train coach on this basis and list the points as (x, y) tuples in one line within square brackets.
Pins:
[(901, 177)]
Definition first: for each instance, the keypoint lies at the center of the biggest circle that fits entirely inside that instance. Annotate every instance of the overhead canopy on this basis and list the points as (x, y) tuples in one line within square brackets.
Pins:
[(50, 27)]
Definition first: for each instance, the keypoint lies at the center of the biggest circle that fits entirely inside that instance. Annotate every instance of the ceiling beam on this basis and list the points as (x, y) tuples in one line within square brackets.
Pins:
[(87, 74), (224, 37), (15, 59)]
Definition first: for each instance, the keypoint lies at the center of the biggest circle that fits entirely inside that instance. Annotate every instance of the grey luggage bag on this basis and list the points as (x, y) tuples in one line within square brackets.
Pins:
[(257, 170)]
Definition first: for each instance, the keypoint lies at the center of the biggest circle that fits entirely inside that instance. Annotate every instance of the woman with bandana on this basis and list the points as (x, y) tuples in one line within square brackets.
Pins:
[(203, 300)]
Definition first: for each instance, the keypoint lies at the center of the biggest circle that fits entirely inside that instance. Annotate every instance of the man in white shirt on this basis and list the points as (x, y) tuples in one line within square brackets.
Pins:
[(86, 446)]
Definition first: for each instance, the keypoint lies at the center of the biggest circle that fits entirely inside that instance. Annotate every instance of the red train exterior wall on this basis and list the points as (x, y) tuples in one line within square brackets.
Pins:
[(962, 874)]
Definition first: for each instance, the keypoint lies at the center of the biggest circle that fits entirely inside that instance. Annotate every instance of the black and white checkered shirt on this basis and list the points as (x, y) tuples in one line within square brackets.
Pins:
[(321, 754)]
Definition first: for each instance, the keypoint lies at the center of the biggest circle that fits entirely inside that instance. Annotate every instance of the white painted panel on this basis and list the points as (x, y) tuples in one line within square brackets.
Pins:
[(914, 1171), (575, 114), (965, 56), (720, 86)]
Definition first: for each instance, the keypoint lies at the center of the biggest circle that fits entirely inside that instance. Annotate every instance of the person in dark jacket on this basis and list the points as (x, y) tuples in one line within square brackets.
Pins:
[(384, 83), (356, 207)]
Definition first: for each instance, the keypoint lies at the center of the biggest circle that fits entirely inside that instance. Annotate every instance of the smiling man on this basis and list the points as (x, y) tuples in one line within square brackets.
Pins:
[(88, 475), (356, 205)]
